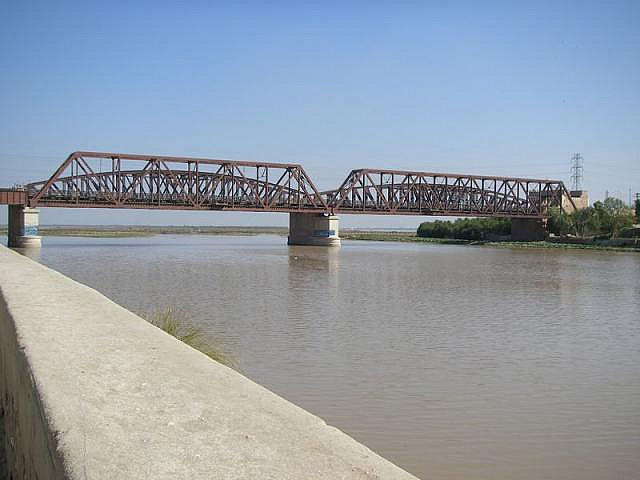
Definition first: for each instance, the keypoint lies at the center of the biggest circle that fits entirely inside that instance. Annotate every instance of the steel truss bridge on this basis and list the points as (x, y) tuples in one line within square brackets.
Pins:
[(116, 180)]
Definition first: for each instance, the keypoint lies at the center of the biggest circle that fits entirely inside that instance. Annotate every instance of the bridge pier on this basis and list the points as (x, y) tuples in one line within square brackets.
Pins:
[(23, 227), (313, 229), (528, 229)]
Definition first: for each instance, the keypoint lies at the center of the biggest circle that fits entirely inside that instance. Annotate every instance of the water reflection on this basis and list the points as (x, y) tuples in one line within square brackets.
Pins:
[(313, 258)]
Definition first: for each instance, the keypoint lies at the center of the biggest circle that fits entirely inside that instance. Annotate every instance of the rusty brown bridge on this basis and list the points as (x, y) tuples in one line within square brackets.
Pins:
[(117, 180)]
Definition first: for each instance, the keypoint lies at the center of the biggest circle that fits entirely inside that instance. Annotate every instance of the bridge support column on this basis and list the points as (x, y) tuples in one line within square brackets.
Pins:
[(23, 227), (313, 229), (528, 229)]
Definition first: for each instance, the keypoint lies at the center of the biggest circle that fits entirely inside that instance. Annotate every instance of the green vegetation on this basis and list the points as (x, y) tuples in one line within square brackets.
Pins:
[(603, 226), (466, 228), (604, 220), (638, 210), (177, 325)]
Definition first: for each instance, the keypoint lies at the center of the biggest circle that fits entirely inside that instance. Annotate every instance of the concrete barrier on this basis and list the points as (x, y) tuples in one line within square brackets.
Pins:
[(89, 390)]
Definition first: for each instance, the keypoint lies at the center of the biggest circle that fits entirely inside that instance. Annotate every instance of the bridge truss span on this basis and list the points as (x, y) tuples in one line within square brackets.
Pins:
[(396, 192), (113, 180)]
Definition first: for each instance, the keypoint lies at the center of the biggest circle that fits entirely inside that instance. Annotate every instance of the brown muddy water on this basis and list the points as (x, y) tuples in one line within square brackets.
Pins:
[(452, 361)]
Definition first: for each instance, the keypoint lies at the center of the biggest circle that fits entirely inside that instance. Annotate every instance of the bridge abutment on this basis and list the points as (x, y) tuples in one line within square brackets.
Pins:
[(23, 225), (313, 229), (528, 229)]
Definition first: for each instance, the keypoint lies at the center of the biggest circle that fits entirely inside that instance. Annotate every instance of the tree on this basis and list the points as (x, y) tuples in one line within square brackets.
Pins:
[(587, 220), (607, 217), (638, 210), (614, 206), (466, 228), (437, 229), (615, 215), (560, 222)]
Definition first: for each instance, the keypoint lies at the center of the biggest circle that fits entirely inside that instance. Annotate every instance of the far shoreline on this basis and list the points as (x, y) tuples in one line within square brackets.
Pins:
[(408, 236)]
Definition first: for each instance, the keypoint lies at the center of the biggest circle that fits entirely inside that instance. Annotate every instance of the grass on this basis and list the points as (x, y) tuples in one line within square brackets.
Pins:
[(176, 324)]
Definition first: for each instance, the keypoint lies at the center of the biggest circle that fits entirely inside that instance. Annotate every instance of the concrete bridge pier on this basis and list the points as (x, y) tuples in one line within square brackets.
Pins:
[(23, 227), (528, 229), (313, 229)]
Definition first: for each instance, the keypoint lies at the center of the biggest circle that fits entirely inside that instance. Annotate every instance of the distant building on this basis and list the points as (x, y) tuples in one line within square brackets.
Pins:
[(580, 200)]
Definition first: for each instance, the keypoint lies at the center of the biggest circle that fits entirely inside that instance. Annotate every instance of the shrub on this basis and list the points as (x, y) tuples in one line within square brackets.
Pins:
[(437, 229), (465, 228)]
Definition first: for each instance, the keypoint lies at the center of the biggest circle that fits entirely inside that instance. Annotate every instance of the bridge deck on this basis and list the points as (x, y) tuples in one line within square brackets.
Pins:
[(9, 196)]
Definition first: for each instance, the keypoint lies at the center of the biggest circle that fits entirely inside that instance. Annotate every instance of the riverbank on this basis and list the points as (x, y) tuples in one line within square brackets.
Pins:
[(412, 237), (346, 234)]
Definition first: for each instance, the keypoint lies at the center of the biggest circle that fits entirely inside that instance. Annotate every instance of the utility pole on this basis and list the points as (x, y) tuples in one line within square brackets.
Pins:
[(576, 171)]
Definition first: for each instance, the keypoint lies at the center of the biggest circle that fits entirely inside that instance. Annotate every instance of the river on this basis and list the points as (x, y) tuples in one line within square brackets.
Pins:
[(451, 361)]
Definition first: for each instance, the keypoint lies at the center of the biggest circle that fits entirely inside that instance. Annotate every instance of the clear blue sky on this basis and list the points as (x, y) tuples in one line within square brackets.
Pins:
[(509, 88)]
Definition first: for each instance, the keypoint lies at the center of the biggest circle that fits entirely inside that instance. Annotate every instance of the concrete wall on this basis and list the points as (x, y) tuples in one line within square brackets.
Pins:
[(29, 448), (90, 390)]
